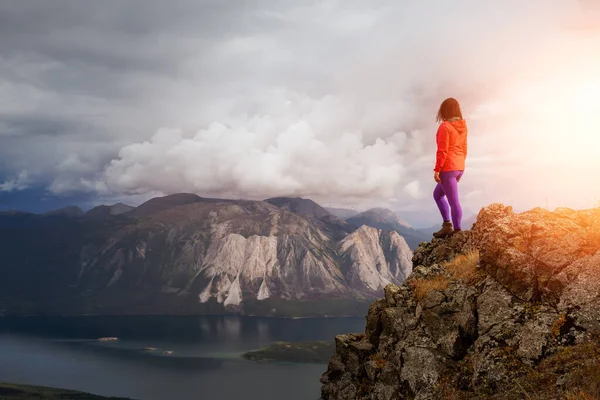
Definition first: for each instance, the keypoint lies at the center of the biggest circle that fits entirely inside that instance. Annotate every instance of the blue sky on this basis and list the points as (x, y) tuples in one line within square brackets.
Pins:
[(330, 100)]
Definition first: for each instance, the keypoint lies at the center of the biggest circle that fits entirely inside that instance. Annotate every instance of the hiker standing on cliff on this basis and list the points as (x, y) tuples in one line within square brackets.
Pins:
[(451, 141)]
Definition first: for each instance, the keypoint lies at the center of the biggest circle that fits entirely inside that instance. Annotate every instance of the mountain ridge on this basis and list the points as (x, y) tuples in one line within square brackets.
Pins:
[(106, 210), (183, 253), (343, 213)]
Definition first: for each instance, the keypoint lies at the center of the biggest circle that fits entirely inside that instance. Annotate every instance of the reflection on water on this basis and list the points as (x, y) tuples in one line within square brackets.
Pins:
[(206, 361)]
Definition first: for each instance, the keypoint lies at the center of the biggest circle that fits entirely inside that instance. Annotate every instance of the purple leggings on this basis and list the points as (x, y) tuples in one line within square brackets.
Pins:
[(448, 189)]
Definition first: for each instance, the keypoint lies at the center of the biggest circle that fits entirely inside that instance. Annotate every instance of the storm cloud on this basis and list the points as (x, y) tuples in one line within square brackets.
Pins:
[(332, 100)]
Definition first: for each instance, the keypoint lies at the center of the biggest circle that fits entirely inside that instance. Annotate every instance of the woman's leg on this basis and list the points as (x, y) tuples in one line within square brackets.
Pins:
[(440, 199), (450, 186)]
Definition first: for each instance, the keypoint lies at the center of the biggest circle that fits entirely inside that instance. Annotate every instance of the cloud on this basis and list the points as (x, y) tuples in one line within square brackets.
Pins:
[(331, 100), (20, 182), (414, 189), (304, 151)]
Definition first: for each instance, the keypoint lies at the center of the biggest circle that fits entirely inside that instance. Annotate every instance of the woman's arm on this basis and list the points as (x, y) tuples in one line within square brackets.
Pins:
[(443, 142)]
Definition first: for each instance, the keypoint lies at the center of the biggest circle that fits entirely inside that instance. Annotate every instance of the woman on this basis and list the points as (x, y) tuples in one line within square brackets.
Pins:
[(451, 141)]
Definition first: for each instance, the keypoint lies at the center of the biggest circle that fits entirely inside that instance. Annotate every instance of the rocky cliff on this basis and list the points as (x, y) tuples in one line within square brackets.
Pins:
[(382, 218), (508, 310), (186, 254)]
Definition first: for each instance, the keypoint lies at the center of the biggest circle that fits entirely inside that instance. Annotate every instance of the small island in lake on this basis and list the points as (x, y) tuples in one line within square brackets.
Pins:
[(107, 339), (309, 352)]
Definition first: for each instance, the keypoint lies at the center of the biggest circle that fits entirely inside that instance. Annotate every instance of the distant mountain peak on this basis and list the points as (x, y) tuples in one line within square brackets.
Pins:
[(158, 204), (307, 208), (343, 213), (105, 210), (389, 215), (70, 211), (300, 206), (381, 215)]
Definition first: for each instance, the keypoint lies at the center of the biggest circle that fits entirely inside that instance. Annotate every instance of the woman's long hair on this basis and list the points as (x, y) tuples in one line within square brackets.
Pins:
[(449, 109)]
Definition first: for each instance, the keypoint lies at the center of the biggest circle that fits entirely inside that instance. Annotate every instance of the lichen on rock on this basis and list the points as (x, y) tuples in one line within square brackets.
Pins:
[(487, 313)]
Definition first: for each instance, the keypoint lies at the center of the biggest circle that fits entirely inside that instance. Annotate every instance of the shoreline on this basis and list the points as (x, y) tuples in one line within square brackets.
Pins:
[(178, 315), (9, 390)]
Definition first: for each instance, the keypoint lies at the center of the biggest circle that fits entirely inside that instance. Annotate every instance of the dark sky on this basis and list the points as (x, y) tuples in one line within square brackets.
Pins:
[(122, 100)]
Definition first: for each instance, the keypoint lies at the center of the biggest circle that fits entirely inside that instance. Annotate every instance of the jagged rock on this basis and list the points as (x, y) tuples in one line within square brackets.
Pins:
[(422, 368), (580, 294), (452, 323), (468, 328), (525, 251)]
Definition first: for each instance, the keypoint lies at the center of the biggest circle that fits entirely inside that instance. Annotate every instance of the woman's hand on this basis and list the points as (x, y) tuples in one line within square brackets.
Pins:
[(436, 177)]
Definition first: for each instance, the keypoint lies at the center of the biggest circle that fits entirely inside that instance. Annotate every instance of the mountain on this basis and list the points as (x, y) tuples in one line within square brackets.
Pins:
[(186, 254), (158, 204), (307, 208), (385, 219), (104, 211), (13, 212), (343, 213), (300, 206), (70, 211), (508, 310)]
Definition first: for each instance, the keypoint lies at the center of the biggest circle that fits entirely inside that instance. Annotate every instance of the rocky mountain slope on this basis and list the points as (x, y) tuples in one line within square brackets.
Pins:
[(186, 254), (382, 218), (509, 310), (337, 227)]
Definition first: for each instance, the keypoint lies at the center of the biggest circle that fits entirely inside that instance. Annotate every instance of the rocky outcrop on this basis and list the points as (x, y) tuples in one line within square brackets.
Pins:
[(509, 309)]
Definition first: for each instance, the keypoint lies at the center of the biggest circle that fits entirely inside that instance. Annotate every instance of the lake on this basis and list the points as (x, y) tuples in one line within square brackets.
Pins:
[(205, 362)]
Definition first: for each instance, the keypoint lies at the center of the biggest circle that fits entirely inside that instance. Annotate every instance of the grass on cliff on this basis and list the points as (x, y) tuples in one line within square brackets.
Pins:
[(422, 287), (462, 267)]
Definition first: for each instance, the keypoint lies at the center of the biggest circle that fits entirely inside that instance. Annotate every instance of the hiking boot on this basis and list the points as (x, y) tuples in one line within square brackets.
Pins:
[(445, 232)]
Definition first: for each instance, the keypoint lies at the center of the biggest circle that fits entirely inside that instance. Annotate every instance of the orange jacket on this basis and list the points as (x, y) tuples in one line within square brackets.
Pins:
[(451, 141)]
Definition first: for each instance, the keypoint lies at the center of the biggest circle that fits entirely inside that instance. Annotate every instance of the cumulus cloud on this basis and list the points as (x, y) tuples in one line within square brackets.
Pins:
[(309, 149), (414, 189), (332, 100), (20, 182)]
